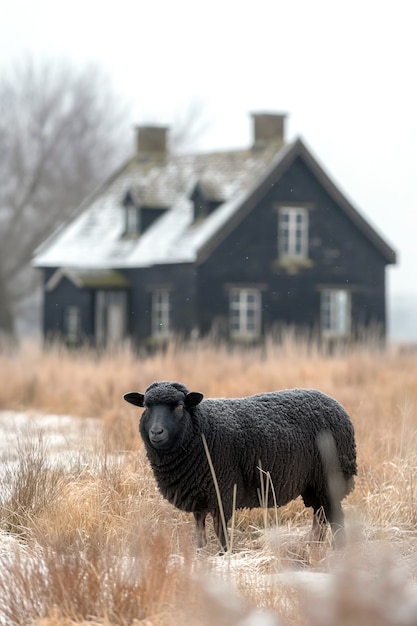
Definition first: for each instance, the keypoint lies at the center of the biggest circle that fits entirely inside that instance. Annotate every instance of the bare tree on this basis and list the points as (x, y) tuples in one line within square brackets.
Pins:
[(188, 126), (61, 132)]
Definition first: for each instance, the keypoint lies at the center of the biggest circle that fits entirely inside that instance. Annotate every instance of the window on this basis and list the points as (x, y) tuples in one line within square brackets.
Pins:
[(132, 220), (245, 313), (335, 312), (293, 232), (72, 323), (132, 214), (161, 313)]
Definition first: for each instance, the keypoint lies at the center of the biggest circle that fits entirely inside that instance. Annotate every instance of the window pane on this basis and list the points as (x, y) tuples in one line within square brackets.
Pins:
[(132, 219), (244, 312), (335, 312), (161, 313), (325, 310), (292, 232)]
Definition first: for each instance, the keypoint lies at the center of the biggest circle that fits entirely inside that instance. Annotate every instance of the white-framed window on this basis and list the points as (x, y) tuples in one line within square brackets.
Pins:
[(244, 312), (335, 312), (161, 313), (293, 232)]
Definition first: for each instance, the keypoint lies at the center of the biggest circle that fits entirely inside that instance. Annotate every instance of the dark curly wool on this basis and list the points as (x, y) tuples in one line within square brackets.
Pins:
[(302, 438), (165, 393)]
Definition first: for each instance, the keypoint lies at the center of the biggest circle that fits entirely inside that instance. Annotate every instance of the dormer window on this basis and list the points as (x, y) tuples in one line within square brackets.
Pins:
[(132, 215), (138, 216), (132, 220), (293, 233), (205, 199)]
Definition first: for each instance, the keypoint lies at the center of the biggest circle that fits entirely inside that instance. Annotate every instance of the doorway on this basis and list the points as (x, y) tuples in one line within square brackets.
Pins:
[(110, 319)]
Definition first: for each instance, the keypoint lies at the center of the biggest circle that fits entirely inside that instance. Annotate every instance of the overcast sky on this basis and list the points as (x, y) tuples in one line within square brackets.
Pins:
[(345, 72)]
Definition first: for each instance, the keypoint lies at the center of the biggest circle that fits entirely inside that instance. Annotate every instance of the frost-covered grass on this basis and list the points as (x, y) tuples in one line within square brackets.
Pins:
[(85, 537)]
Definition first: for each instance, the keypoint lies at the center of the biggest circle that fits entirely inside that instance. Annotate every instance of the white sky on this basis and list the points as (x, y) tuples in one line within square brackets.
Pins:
[(345, 72)]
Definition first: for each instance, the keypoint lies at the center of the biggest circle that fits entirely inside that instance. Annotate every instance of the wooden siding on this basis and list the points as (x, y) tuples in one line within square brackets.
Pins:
[(67, 294), (339, 256), (181, 279)]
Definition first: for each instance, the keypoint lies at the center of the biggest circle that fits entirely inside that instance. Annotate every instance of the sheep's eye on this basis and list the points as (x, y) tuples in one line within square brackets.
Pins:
[(180, 407)]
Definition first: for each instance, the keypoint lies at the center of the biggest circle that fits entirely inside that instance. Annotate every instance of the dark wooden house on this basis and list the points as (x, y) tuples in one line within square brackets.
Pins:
[(238, 244)]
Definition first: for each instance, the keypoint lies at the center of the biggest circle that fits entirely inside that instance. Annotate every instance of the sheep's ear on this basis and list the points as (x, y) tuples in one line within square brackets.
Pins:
[(192, 399), (134, 398)]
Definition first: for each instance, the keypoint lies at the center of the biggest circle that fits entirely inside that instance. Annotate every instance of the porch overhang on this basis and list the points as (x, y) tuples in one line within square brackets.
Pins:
[(90, 279)]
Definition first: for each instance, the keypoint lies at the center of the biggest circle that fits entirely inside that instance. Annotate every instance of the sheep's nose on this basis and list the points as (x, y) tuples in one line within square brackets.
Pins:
[(158, 436)]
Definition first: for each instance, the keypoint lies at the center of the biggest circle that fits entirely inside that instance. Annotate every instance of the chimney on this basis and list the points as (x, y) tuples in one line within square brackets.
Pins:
[(151, 141), (268, 128)]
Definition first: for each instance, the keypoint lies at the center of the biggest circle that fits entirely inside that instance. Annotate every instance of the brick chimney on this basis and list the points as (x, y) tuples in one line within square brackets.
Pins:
[(151, 141), (268, 128)]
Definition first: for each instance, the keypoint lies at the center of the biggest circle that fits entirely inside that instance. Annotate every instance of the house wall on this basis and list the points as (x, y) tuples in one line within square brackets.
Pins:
[(180, 279), (339, 256), (67, 294)]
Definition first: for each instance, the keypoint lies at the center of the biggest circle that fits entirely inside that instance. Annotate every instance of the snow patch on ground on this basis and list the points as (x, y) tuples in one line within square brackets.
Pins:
[(61, 434)]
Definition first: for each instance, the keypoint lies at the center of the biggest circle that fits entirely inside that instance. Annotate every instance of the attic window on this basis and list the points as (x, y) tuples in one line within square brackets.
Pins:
[(132, 220), (293, 233), (205, 200), (132, 215)]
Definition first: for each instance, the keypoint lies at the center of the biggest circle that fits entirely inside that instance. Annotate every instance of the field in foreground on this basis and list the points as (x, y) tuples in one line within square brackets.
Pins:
[(85, 537)]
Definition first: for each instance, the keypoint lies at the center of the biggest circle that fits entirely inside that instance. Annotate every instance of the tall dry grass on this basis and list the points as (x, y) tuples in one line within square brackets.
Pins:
[(93, 542)]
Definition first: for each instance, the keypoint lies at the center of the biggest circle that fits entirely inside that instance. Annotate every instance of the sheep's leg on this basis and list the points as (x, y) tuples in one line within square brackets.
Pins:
[(331, 514), (326, 511), (319, 524), (200, 525), (311, 498), (336, 520), (219, 530)]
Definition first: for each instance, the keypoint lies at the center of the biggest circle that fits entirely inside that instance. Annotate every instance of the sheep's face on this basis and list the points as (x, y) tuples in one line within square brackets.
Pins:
[(167, 406)]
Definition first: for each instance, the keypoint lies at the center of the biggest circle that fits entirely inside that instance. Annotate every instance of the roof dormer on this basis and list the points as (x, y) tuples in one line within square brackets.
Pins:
[(205, 200), (131, 215), (138, 218)]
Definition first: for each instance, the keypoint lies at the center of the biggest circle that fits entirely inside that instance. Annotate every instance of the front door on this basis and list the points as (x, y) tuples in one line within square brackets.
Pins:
[(110, 318)]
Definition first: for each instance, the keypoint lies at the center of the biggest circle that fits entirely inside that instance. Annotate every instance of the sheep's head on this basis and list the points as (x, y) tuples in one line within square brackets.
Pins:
[(167, 407)]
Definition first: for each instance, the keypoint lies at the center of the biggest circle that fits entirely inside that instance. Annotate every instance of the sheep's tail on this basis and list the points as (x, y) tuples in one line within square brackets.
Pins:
[(337, 483)]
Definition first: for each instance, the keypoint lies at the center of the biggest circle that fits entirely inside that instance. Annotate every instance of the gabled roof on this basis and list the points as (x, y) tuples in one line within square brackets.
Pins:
[(239, 179), (272, 174)]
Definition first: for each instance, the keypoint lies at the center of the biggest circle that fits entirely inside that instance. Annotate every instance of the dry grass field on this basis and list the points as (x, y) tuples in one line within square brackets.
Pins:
[(85, 537)]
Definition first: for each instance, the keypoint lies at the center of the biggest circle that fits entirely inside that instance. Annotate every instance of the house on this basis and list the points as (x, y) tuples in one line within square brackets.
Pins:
[(237, 244)]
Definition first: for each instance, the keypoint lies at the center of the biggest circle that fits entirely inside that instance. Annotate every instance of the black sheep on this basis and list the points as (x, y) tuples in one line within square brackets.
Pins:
[(302, 439)]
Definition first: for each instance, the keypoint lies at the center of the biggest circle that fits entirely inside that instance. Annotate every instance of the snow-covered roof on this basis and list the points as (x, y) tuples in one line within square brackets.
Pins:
[(94, 238)]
